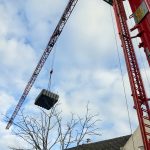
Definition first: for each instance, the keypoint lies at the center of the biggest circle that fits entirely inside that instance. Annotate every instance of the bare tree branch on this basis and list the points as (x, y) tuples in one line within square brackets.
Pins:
[(48, 130)]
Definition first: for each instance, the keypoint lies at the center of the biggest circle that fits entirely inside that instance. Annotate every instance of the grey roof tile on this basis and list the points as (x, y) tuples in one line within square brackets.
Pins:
[(111, 144)]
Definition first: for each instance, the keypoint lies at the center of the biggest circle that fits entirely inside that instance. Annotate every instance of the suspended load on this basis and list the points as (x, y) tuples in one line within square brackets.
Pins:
[(46, 99)]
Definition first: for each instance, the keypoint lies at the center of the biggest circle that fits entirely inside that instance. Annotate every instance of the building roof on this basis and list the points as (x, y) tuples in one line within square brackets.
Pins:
[(111, 144)]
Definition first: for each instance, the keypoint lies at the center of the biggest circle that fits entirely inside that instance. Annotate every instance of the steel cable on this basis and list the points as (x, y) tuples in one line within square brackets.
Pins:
[(123, 83)]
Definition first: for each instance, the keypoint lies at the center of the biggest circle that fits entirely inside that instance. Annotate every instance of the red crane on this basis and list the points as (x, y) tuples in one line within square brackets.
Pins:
[(141, 15), (137, 87), (66, 14)]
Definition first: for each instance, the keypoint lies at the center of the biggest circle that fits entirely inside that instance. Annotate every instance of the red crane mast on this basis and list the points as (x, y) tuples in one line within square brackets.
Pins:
[(137, 87)]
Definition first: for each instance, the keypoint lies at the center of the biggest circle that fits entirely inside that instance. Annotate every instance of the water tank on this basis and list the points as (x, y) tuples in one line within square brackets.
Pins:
[(46, 99)]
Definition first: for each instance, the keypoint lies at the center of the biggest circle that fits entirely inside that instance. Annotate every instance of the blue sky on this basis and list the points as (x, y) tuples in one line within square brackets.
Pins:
[(86, 64)]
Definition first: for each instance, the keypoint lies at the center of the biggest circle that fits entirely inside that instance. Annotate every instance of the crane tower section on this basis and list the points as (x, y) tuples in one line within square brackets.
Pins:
[(141, 15), (137, 87)]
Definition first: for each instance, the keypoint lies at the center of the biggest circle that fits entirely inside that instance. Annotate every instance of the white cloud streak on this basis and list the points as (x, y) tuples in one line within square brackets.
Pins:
[(86, 63)]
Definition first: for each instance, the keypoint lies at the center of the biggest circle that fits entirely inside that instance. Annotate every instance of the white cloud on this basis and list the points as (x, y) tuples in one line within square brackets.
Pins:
[(11, 24), (86, 63), (6, 101), (16, 56)]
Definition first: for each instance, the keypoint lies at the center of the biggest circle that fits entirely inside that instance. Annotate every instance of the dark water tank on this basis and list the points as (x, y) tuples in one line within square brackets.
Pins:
[(46, 99)]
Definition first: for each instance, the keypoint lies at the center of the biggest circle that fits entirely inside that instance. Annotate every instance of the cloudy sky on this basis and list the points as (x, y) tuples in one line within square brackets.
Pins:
[(86, 66)]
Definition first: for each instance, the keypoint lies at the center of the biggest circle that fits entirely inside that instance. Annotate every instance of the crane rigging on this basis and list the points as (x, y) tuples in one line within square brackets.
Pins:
[(66, 14), (137, 87)]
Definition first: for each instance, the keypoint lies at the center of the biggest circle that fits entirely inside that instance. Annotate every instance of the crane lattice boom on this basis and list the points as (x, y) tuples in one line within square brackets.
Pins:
[(68, 10)]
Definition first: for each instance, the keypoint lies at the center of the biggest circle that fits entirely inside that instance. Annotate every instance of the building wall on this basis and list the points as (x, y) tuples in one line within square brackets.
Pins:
[(137, 138)]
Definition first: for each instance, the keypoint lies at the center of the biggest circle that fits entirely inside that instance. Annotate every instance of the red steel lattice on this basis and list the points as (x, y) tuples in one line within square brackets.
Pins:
[(137, 86)]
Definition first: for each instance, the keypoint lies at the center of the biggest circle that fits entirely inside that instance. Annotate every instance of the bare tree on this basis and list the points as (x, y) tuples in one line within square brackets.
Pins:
[(49, 131)]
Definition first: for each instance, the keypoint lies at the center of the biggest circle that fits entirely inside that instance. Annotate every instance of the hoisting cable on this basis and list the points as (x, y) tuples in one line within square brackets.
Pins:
[(50, 80), (142, 60), (51, 69), (123, 83)]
